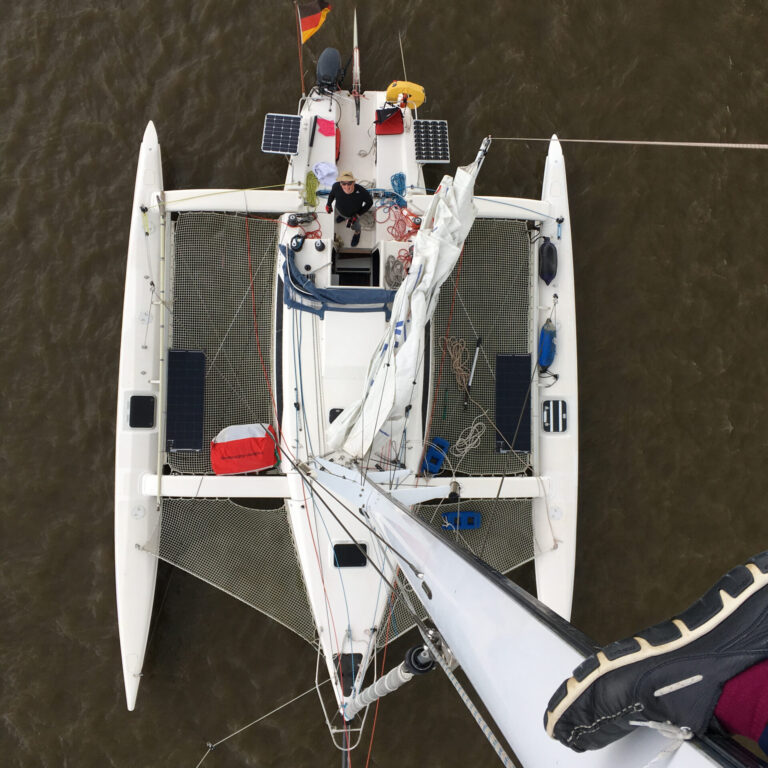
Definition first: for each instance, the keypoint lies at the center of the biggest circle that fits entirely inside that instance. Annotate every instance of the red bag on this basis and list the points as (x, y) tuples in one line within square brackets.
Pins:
[(244, 448), (389, 121)]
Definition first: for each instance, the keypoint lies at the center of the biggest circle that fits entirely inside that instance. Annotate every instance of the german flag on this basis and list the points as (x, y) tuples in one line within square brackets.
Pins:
[(312, 16)]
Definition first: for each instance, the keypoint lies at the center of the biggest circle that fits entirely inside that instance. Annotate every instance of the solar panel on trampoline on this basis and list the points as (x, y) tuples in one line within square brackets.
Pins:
[(431, 137), (513, 403), (281, 134), (185, 400)]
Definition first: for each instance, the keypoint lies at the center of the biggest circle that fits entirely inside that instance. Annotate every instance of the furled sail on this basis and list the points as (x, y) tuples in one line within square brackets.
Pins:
[(395, 364)]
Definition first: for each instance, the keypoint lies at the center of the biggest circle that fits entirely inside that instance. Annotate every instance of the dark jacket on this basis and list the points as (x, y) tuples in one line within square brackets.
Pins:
[(355, 203)]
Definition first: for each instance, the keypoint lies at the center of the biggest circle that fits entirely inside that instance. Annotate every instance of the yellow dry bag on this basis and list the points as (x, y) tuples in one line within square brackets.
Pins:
[(414, 94)]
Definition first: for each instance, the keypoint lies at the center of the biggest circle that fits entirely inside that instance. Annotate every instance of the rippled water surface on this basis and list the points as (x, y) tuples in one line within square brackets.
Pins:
[(671, 275)]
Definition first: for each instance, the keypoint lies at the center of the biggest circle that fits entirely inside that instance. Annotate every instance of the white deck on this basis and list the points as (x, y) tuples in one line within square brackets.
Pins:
[(324, 367)]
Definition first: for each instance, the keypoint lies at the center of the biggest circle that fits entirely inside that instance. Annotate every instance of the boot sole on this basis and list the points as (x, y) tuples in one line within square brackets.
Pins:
[(730, 592)]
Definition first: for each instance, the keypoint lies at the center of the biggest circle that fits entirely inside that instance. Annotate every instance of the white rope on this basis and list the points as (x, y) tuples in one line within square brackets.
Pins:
[(402, 55), (678, 734), (469, 438), (694, 144), (469, 704), (213, 746)]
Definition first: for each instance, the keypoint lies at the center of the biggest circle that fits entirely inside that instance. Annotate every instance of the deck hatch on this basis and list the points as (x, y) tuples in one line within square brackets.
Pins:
[(513, 402), (348, 665), (350, 556), (186, 400), (554, 416), (281, 134), (141, 412)]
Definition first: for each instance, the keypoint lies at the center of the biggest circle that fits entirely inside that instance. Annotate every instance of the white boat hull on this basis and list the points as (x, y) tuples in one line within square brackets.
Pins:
[(136, 513), (554, 514)]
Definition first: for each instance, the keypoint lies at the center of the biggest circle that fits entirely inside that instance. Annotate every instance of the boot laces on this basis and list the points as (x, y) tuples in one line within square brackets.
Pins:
[(676, 733)]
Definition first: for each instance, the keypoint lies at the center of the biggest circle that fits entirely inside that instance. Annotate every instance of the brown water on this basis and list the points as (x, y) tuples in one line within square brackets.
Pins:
[(672, 282)]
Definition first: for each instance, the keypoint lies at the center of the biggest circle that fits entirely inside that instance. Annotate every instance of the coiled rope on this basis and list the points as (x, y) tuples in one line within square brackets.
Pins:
[(310, 189), (469, 438), (457, 351), (403, 226), (394, 272)]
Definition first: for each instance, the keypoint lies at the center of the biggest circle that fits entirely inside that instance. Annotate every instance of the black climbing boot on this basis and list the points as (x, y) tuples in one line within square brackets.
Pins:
[(672, 672)]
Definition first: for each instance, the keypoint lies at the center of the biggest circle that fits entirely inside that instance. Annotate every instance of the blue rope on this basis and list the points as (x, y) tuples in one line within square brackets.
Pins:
[(398, 185)]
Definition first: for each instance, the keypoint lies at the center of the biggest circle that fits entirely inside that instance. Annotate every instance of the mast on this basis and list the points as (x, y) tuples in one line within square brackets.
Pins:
[(514, 650), (355, 68)]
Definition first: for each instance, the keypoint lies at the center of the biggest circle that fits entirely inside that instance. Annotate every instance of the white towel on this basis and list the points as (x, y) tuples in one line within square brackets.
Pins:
[(326, 173)]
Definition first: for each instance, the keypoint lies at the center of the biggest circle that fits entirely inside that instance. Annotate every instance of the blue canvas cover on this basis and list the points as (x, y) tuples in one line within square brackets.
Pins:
[(299, 292)]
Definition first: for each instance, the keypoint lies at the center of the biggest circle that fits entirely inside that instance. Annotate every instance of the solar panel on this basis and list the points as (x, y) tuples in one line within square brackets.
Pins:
[(281, 134), (513, 403), (185, 400), (431, 138)]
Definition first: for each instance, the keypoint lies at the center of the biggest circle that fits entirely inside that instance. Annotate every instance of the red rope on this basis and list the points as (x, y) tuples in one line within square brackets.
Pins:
[(285, 448), (406, 256), (330, 612), (383, 660), (404, 225), (256, 331)]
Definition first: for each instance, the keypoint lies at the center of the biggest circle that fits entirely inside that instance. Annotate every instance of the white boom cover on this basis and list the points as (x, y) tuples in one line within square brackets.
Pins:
[(399, 355)]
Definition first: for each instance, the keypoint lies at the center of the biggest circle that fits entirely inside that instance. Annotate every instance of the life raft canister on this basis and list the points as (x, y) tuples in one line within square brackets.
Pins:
[(414, 93)]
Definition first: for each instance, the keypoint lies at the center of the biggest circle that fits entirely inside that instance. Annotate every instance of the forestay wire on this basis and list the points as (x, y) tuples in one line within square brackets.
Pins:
[(693, 144)]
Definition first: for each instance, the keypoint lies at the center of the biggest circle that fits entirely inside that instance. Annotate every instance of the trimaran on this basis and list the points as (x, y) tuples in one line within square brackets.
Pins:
[(389, 425)]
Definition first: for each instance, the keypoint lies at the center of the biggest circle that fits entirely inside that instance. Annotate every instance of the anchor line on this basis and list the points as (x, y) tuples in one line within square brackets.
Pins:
[(212, 745), (643, 143)]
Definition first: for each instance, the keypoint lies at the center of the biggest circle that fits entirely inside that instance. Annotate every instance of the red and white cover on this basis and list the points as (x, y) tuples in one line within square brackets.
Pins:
[(244, 448)]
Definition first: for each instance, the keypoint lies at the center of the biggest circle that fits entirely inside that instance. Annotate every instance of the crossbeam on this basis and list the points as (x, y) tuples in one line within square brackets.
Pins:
[(276, 486), (240, 200)]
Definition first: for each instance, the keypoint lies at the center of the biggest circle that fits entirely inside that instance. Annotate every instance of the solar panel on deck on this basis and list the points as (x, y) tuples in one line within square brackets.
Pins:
[(431, 137), (281, 134), (513, 403), (186, 400)]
